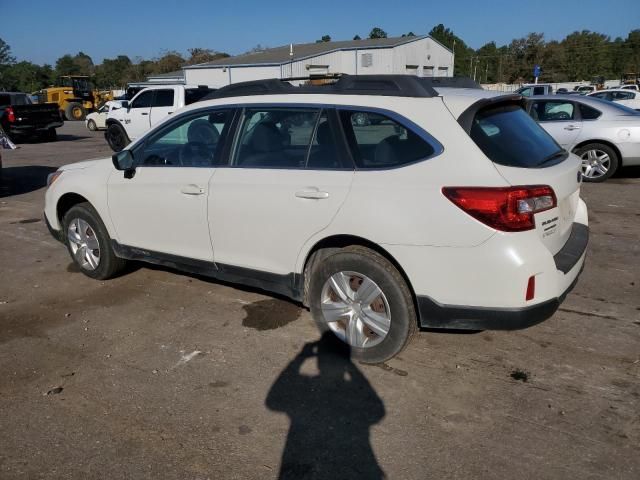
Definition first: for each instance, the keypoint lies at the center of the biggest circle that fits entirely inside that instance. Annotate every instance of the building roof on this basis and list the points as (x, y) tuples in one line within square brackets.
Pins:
[(280, 55), (176, 74)]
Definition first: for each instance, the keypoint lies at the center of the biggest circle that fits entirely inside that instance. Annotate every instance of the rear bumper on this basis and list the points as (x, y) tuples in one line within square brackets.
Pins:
[(31, 129), (569, 262)]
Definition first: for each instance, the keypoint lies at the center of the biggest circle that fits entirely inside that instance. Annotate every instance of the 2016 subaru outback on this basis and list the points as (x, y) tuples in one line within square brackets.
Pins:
[(379, 202)]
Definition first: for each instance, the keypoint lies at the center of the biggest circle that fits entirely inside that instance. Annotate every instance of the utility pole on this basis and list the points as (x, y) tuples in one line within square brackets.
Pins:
[(486, 72), (471, 66), (475, 69), (453, 59)]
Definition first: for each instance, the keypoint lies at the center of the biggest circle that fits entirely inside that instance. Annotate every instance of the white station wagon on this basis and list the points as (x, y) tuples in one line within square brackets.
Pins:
[(379, 202)]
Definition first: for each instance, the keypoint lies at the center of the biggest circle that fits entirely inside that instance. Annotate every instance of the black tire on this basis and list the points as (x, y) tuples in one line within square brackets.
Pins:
[(75, 112), (614, 160), (116, 137), (91, 125), (109, 265), (403, 316), (51, 135)]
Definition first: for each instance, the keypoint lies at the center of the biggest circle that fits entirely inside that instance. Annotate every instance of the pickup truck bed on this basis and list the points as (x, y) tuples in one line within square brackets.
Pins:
[(21, 118)]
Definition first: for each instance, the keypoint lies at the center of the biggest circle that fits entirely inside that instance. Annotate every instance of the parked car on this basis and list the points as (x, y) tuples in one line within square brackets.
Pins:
[(20, 118), (452, 210), (531, 89), (630, 87), (605, 135), (98, 119), (148, 107), (628, 98), (584, 89)]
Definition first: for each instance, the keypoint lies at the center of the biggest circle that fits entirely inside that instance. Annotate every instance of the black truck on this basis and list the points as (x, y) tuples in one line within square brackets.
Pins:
[(20, 117)]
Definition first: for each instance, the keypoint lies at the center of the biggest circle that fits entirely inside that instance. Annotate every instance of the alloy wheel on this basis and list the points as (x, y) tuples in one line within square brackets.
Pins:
[(84, 244), (595, 163)]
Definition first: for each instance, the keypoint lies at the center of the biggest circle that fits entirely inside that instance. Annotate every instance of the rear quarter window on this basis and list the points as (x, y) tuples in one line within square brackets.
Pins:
[(589, 113), (377, 141), (507, 135)]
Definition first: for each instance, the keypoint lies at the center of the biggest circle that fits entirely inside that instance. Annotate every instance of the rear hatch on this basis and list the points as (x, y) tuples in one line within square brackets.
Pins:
[(525, 155)]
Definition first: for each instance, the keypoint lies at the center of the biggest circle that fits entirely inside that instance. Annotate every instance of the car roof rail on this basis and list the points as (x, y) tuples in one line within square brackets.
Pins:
[(451, 82), (383, 85)]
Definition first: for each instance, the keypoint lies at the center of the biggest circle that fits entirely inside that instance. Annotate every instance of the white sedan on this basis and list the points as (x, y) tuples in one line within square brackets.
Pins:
[(96, 120), (628, 98)]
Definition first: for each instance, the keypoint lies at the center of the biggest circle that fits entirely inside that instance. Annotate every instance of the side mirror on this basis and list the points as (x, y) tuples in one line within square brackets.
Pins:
[(125, 105), (123, 161)]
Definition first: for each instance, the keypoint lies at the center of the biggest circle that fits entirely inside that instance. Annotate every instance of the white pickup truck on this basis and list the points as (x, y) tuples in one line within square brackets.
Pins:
[(146, 108)]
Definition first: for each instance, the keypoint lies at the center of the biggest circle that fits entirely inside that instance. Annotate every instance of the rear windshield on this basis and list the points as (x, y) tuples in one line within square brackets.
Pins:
[(508, 136)]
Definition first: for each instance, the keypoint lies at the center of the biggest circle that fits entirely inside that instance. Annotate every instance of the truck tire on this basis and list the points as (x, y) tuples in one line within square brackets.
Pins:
[(75, 112), (116, 137), (51, 135)]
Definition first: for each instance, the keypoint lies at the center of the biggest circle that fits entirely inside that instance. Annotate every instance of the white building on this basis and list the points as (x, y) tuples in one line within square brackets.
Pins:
[(422, 56)]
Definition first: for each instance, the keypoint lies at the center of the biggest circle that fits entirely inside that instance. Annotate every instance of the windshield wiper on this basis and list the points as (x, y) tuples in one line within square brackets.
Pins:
[(562, 152)]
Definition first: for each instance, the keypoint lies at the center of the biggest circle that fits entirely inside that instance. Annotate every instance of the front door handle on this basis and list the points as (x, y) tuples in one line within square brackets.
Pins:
[(144, 113), (572, 127), (192, 190), (312, 194)]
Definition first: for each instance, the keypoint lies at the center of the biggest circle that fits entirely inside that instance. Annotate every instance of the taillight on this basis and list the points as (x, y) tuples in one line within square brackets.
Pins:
[(509, 209), (11, 117)]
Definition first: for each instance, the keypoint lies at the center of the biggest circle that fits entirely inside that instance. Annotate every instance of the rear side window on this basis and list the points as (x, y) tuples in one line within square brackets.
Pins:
[(5, 100), (193, 95), (508, 136), (589, 113), (377, 141), (163, 98)]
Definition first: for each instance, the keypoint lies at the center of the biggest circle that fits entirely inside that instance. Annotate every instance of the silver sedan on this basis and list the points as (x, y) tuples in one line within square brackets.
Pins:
[(605, 135)]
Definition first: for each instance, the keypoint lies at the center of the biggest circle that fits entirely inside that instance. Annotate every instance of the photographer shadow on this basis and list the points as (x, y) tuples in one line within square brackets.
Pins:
[(330, 413)]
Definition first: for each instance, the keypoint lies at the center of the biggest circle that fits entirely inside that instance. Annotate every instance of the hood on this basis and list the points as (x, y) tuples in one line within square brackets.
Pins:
[(92, 163)]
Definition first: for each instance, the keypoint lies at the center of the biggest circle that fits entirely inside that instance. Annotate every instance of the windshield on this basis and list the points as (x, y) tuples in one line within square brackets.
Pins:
[(509, 136)]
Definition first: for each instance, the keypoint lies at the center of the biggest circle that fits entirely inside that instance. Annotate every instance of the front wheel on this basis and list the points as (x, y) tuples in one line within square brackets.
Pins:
[(116, 137), (363, 299), (599, 161), (89, 243), (91, 125)]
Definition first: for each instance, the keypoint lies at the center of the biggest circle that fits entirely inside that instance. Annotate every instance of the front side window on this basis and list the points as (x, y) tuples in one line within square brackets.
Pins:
[(194, 141), (552, 110), (275, 137), (508, 136), (525, 92), (143, 100), (163, 98), (377, 141)]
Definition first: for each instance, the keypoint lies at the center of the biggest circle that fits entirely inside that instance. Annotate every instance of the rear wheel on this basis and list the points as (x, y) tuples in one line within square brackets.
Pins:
[(116, 137), (363, 299), (89, 243), (91, 125), (51, 135), (599, 161), (75, 111)]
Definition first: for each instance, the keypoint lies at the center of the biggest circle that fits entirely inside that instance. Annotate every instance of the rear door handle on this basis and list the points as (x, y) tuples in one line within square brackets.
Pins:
[(572, 127), (312, 194), (192, 190), (144, 113)]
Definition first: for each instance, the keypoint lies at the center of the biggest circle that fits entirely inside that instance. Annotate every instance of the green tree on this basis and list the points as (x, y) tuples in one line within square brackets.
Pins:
[(463, 54), (377, 32), (170, 61), (5, 54), (203, 55), (113, 72), (357, 37), (324, 38)]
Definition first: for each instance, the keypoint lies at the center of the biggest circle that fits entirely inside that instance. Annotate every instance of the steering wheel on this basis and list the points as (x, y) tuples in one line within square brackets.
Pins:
[(563, 116), (196, 153)]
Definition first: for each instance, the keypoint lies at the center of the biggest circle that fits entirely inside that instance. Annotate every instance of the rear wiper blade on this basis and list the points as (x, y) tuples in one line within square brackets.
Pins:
[(562, 152)]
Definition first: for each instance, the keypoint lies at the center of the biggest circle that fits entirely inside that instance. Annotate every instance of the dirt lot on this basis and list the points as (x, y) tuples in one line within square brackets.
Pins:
[(157, 374)]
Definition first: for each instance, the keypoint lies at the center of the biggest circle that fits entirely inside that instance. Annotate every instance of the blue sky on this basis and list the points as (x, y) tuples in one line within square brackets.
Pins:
[(38, 32)]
